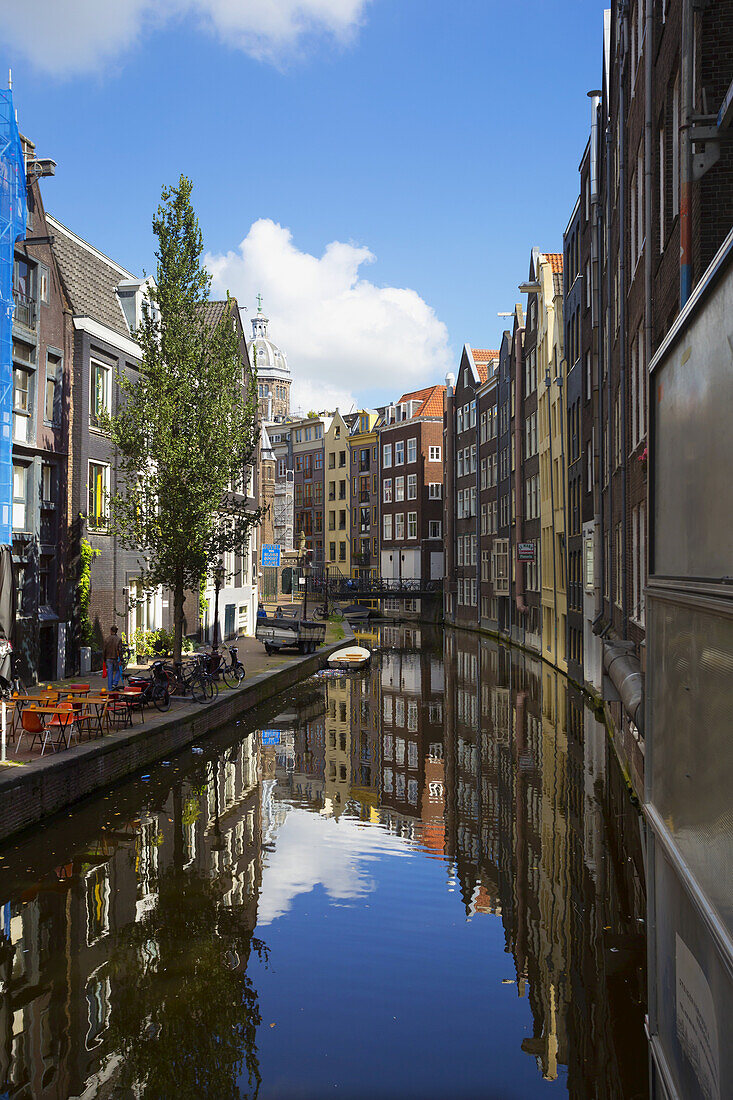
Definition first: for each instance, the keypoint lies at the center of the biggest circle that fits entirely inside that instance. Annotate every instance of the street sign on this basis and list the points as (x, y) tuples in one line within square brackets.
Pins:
[(271, 737), (271, 556), (525, 551)]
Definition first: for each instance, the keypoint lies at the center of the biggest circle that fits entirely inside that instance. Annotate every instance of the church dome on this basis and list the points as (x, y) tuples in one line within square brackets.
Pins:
[(272, 363)]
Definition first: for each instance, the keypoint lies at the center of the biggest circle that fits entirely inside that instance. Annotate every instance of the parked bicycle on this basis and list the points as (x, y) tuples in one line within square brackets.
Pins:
[(196, 679), (153, 688)]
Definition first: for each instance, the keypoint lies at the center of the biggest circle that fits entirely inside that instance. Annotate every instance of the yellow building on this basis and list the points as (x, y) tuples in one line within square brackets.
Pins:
[(337, 777), (551, 405), (364, 466), (337, 537)]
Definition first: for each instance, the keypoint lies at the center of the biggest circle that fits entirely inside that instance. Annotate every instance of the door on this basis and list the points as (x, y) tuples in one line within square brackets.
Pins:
[(229, 613)]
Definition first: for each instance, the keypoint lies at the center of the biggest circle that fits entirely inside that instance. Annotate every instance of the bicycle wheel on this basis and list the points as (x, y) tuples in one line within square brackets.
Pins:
[(229, 677), (212, 688), (337, 614), (161, 697), (239, 671), (196, 686)]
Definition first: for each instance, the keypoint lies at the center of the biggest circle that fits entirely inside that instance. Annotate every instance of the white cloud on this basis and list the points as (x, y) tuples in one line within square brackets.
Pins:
[(69, 36), (348, 341), (312, 850)]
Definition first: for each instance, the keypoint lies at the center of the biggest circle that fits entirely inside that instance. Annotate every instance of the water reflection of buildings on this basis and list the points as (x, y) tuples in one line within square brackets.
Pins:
[(59, 988), (533, 801)]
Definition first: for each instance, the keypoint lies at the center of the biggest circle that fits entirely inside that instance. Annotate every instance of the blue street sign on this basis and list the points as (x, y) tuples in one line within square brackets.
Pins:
[(271, 737), (271, 556)]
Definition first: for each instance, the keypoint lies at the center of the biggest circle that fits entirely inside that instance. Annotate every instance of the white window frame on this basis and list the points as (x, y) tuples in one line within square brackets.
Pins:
[(412, 450), (434, 454)]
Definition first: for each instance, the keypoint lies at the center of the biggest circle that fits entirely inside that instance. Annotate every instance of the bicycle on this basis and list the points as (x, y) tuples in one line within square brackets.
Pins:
[(153, 689), (234, 672), (198, 681)]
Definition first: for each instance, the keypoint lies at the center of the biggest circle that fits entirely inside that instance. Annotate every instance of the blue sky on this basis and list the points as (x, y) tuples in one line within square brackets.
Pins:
[(437, 143)]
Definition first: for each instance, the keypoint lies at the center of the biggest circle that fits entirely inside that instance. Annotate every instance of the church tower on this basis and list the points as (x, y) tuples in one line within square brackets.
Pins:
[(273, 373)]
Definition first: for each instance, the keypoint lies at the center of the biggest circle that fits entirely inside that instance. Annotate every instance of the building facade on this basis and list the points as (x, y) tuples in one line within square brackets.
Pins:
[(411, 445)]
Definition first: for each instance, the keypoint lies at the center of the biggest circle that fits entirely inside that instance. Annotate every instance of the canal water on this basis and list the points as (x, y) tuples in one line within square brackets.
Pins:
[(423, 880)]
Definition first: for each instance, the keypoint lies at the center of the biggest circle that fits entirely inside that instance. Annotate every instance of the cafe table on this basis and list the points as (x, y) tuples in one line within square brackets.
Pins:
[(63, 727), (98, 702)]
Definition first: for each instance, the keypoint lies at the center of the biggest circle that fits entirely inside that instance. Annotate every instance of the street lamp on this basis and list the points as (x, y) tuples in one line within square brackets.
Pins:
[(304, 562), (218, 582)]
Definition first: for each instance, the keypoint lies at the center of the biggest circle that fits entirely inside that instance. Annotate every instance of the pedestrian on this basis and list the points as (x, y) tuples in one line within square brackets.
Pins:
[(113, 658), (279, 612)]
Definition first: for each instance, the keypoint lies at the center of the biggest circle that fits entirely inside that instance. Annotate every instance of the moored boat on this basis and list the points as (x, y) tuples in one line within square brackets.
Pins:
[(350, 657)]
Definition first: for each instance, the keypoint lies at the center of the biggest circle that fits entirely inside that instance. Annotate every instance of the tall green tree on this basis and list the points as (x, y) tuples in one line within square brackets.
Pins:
[(186, 430)]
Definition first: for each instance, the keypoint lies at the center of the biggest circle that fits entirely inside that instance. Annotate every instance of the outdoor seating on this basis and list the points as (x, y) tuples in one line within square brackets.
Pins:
[(92, 719), (64, 723), (32, 723)]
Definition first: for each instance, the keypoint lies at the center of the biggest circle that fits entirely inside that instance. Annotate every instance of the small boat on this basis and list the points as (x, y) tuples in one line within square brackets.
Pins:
[(357, 612), (351, 656)]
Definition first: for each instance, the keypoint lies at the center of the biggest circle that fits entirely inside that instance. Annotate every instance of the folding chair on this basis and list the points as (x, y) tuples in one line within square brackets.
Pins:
[(31, 723), (61, 722)]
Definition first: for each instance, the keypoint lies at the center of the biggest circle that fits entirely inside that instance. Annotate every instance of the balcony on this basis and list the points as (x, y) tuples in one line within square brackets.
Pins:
[(25, 310), (363, 560)]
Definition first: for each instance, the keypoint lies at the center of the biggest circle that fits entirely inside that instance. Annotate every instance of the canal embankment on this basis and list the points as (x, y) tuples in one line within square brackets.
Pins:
[(33, 789)]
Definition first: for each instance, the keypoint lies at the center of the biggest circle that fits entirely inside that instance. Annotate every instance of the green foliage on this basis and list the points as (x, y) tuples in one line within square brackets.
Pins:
[(203, 602), (312, 415), (187, 427), (156, 643), (86, 556), (185, 1013)]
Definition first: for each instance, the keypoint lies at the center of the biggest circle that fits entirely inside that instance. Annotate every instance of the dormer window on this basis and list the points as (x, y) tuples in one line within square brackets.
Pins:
[(132, 293)]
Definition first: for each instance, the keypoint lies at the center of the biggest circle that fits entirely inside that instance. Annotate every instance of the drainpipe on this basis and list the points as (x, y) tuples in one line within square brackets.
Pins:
[(622, 277), (686, 63), (518, 494)]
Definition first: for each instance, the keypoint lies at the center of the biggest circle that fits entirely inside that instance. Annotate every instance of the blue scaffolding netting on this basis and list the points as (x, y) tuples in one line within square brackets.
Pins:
[(13, 214)]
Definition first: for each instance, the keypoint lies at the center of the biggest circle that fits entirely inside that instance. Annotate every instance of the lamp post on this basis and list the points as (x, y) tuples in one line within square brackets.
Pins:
[(218, 581), (305, 564)]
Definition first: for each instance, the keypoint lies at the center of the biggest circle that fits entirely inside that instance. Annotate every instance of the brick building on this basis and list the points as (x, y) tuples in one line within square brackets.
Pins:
[(411, 476), (42, 351)]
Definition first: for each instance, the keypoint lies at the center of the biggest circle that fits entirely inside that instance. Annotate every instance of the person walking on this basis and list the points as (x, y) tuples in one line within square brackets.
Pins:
[(113, 657)]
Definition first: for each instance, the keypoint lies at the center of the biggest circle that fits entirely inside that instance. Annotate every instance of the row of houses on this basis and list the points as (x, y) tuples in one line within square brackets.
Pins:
[(73, 333), (361, 491), (546, 440)]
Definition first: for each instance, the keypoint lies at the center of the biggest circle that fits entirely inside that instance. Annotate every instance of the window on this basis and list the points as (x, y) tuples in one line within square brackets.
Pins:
[(387, 455), (332, 461), (399, 526), (318, 460), (387, 490), (22, 403), (618, 579), (98, 495), (412, 486), (99, 398), (20, 492), (399, 488), (399, 453), (412, 525), (435, 490), (342, 551), (412, 450), (387, 528), (434, 454), (281, 467), (435, 529), (662, 159), (500, 565)]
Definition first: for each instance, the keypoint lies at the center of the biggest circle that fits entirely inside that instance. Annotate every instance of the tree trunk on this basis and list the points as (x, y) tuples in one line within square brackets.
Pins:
[(178, 595)]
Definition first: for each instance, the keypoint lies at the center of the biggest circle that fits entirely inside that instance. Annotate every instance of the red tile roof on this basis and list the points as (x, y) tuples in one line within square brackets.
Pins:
[(482, 357), (554, 259), (432, 400)]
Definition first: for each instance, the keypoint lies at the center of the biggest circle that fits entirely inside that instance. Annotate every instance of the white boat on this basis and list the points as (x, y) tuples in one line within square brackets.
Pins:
[(351, 656)]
